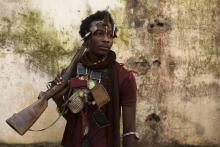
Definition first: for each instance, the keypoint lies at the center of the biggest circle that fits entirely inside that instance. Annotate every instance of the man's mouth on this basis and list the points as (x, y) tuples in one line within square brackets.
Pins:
[(104, 47)]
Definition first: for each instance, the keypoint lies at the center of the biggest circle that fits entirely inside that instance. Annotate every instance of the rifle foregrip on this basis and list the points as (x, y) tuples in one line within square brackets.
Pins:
[(53, 91)]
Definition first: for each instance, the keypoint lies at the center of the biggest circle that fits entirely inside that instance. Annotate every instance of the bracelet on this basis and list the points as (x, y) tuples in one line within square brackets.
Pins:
[(131, 133)]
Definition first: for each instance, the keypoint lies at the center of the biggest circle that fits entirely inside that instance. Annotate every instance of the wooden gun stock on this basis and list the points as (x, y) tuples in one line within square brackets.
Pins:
[(24, 119)]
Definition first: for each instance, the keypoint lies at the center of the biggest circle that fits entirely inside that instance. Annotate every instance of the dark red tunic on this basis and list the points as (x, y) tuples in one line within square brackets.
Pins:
[(98, 136)]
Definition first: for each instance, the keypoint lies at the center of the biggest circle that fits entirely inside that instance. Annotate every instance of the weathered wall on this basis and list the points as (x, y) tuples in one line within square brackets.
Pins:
[(173, 45), (179, 91), (37, 39)]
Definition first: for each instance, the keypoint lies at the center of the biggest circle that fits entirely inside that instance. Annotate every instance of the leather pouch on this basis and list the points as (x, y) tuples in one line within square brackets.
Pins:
[(75, 102), (100, 118), (100, 95)]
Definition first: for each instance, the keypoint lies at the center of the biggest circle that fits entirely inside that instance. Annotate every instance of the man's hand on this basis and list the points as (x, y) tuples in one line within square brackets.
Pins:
[(58, 80)]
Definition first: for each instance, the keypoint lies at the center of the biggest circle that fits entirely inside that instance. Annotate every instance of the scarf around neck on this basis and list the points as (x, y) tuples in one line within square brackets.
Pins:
[(113, 107), (99, 64)]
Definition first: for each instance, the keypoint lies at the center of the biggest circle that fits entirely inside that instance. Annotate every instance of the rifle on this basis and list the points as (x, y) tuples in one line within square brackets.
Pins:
[(24, 119)]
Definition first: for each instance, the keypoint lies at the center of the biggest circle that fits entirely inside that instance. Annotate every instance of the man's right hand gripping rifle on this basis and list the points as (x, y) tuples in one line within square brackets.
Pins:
[(23, 120)]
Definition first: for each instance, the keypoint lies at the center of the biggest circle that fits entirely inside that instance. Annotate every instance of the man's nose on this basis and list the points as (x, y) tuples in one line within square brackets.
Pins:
[(106, 38)]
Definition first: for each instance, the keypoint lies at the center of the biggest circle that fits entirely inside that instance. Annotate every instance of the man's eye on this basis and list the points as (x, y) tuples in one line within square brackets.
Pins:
[(99, 33), (102, 33)]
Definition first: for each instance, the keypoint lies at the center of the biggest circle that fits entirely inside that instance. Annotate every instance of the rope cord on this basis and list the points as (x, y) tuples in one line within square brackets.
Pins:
[(49, 126)]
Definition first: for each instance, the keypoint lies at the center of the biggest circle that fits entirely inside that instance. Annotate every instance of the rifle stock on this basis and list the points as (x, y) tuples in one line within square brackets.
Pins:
[(24, 119)]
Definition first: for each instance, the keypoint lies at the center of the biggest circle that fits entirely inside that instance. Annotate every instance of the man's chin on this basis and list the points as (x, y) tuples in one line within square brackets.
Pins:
[(103, 53)]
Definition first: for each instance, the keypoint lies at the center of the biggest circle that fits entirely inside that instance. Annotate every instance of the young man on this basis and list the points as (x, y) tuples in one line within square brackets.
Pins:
[(93, 114)]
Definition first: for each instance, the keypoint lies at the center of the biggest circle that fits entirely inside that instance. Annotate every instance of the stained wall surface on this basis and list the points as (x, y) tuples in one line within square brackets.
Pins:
[(172, 45)]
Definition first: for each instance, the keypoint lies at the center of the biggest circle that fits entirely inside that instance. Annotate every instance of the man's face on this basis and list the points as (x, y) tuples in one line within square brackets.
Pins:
[(101, 40)]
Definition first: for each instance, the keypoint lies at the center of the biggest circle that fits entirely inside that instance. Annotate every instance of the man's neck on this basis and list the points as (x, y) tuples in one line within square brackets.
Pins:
[(95, 58)]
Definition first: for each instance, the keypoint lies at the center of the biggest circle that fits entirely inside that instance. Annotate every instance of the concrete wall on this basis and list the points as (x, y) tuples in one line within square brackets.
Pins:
[(179, 86), (173, 45)]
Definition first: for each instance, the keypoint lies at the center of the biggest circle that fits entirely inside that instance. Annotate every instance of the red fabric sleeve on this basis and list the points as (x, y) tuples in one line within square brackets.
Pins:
[(127, 88)]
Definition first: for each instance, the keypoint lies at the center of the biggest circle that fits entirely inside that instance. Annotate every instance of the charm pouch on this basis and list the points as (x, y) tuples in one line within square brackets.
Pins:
[(100, 95)]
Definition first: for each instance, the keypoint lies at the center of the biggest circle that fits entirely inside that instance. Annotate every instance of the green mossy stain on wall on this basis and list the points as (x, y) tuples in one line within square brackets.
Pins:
[(31, 35), (125, 33), (205, 60)]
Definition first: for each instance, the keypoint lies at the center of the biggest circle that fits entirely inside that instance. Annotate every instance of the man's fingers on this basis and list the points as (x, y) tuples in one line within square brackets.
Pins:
[(59, 80)]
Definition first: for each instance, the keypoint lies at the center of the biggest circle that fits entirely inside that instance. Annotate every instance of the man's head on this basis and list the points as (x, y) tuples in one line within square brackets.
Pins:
[(98, 30)]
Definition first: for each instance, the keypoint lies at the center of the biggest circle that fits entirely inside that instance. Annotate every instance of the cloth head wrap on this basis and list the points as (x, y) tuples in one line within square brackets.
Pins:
[(106, 21)]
